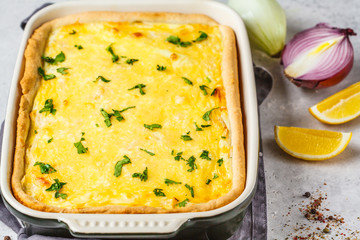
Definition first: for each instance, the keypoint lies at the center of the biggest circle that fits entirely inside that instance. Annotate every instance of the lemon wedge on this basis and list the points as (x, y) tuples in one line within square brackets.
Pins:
[(339, 108), (311, 144)]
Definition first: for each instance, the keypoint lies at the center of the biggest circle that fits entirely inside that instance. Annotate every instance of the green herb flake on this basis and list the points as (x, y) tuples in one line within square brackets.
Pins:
[(44, 76), (178, 156), (220, 161), (48, 107), (160, 68), (140, 87), (223, 137), (159, 192), (203, 89), (106, 116), (205, 126), (123, 110), (172, 152), (168, 182), (183, 203), (73, 32), (35, 131), (115, 57), (62, 70), (197, 127), (213, 92), (177, 41), (45, 168), (102, 79), (191, 163), (206, 116), (119, 165), (57, 187), (131, 61), (205, 155), (79, 47), (50, 140), (208, 181), (143, 176), (191, 189), (215, 176), (118, 115), (97, 125), (187, 81), (202, 37), (148, 152), (186, 137), (59, 58), (208, 79), (152, 126), (80, 147)]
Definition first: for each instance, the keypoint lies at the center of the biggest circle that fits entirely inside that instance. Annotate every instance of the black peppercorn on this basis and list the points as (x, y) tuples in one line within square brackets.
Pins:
[(307, 194)]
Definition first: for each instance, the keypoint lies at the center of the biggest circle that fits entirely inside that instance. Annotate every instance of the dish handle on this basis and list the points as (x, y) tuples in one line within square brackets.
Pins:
[(118, 223)]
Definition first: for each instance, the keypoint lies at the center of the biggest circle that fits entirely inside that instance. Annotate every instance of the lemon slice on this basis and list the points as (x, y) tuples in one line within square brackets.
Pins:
[(339, 108), (311, 144)]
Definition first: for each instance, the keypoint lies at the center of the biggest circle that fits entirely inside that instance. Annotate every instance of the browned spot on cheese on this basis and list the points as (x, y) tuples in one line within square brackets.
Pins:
[(137, 34), (43, 181), (174, 56)]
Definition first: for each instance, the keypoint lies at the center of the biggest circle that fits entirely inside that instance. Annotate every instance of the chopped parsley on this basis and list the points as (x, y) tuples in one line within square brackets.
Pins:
[(223, 137), (168, 182), (220, 161), (50, 140), (213, 92), (191, 163), (131, 61), (178, 156), (115, 57), (177, 41), (79, 146), (186, 137), (79, 47), (97, 125), (59, 58), (62, 70), (208, 181), (44, 76), (106, 116), (73, 32), (119, 165), (197, 127), (202, 37), (183, 203), (148, 152), (206, 116), (152, 126), (159, 192), (203, 88), (186, 80), (205, 155), (205, 126), (140, 87), (208, 79), (48, 107), (57, 187), (215, 176), (191, 189), (35, 131), (45, 168), (143, 176), (102, 79), (160, 68)]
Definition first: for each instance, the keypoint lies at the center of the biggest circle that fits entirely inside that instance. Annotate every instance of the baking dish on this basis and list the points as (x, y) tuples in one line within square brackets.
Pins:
[(147, 225)]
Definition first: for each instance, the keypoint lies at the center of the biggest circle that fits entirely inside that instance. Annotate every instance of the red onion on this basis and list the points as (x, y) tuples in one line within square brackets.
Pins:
[(318, 57)]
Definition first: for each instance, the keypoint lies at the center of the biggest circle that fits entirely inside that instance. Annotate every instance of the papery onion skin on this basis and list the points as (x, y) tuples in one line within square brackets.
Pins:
[(336, 60)]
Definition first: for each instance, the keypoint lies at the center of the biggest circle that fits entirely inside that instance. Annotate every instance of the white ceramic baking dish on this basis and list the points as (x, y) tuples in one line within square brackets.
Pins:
[(137, 223)]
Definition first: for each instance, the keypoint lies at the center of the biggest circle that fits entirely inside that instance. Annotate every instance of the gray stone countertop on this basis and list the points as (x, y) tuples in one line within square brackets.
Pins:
[(287, 178)]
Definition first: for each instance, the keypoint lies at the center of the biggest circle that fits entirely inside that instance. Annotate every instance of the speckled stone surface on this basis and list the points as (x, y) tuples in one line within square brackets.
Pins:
[(287, 179)]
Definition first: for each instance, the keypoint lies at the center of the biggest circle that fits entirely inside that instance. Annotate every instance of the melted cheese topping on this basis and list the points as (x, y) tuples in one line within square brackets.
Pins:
[(169, 101)]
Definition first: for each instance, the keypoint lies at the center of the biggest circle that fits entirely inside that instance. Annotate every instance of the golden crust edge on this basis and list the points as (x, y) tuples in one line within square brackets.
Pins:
[(30, 81)]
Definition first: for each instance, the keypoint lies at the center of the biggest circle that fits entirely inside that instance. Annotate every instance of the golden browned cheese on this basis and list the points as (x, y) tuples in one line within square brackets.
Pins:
[(169, 101)]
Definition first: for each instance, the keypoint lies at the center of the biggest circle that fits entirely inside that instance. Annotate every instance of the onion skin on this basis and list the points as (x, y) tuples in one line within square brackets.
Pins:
[(322, 44)]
